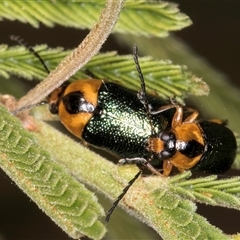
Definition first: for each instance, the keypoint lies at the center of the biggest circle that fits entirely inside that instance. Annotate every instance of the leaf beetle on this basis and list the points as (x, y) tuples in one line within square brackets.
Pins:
[(142, 129)]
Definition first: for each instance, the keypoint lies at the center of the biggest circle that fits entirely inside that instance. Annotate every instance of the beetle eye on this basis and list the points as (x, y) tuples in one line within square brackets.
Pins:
[(53, 108), (166, 136), (165, 154)]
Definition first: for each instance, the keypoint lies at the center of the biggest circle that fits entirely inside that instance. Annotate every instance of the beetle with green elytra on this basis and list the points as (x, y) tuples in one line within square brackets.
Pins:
[(142, 129)]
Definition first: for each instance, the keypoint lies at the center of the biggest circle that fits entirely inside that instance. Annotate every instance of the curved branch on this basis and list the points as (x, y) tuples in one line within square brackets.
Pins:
[(79, 56)]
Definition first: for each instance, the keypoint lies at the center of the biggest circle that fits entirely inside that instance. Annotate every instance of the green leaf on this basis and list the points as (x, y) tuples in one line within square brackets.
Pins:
[(166, 204), (187, 223), (210, 190), (162, 77), (48, 184), (158, 199), (21, 62), (149, 18)]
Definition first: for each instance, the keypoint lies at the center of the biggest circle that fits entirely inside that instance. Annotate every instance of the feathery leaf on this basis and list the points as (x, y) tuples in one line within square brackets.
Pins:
[(162, 77), (145, 17), (159, 200), (48, 184), (210, 190)]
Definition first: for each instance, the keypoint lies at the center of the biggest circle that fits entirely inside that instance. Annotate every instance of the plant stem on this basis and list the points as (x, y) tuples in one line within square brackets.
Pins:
[(79, 56)]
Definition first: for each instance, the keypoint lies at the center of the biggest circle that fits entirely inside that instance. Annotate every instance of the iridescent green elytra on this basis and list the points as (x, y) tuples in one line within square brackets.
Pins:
[(121, 124)]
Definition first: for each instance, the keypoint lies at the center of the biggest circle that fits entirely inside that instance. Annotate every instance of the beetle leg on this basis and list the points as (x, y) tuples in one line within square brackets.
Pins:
[(167, 167), (192, 117), (142, 161), (219, 121), (136, 160), (161, 109), (178, 116), (152, 169)]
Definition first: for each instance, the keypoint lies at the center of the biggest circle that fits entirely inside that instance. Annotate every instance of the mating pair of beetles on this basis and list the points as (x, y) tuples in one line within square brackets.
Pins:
[(142, 129)]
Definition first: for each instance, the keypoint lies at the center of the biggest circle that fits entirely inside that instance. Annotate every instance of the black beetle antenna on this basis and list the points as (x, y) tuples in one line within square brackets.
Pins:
[(28, 107), (21, 41), (142, 94), (130, 183)]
